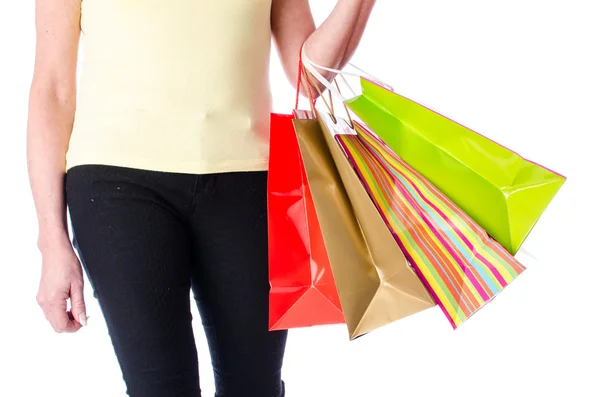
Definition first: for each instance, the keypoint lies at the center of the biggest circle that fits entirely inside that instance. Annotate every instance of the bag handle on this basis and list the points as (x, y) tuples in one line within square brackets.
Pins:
[(313, 68), (311, 80), (307, 80)]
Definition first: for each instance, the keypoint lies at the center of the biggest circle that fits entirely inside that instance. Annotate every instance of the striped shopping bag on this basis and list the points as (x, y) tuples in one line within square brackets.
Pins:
[(456, 259)]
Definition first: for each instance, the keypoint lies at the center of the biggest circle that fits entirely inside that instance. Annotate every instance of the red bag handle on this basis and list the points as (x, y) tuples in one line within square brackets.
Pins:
[(302, 73)]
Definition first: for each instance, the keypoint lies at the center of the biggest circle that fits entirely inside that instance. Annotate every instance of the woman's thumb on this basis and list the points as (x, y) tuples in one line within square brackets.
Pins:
[(78, 304)]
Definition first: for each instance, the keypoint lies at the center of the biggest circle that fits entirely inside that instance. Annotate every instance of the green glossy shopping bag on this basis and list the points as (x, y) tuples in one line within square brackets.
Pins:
[(503, 192)]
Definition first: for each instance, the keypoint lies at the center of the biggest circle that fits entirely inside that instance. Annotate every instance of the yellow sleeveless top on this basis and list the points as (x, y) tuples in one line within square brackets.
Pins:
[(174, 85)]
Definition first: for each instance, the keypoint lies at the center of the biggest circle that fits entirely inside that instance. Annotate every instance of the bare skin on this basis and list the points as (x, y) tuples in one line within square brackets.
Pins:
[(51, 114), (52, 111), (332, 44)]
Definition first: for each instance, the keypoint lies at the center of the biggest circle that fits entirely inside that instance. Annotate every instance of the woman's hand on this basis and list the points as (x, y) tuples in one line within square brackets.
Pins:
[(62, 280)]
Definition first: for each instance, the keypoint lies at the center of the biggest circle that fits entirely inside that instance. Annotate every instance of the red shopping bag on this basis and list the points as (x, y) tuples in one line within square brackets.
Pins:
[(303, 292)]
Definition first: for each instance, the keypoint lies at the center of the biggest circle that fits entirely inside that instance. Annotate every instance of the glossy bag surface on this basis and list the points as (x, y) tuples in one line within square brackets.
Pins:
[(375, 283), (303, 292), (461, 265), (331, 257), (500, 190)]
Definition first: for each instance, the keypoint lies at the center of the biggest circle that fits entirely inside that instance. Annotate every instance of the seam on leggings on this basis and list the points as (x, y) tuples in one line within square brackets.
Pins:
[(193, 199)]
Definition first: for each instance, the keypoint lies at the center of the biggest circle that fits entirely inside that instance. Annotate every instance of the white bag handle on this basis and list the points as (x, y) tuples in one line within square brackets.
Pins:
[(313, 67)]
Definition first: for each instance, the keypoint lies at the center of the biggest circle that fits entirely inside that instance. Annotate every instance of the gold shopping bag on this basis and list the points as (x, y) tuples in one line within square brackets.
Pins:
[(375, 283)]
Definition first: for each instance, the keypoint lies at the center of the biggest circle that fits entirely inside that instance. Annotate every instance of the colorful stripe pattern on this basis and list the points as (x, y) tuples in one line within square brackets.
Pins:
[(459, 263)]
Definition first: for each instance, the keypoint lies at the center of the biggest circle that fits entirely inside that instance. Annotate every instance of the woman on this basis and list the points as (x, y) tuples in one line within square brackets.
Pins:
[(165, 161)]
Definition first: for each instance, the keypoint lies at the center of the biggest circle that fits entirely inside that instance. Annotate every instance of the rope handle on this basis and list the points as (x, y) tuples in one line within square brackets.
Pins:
[(314, 68), (302, 73)]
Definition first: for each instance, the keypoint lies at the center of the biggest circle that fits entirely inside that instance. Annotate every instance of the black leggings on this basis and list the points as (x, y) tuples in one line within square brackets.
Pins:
[(145, 238)]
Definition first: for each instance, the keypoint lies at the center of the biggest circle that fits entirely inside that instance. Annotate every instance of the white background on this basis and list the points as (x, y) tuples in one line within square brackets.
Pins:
[(521, 72)]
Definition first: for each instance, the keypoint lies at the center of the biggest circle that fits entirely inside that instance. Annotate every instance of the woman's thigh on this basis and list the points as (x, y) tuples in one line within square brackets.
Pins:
[(136, 251), (230, 281)]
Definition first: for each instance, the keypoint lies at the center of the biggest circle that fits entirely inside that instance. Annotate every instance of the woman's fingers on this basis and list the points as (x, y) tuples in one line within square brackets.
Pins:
[(78, 303), (68, 327), (56, 313), (62, 280)]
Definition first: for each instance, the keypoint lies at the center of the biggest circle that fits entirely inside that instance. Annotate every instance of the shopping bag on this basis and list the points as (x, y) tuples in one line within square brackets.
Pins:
[(302, 291), (375, 283), (462, 266), (500, 190), (503, 192)]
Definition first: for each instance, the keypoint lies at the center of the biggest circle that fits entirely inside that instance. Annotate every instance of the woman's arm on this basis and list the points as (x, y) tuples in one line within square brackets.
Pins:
[(332, 44), (51, 114)]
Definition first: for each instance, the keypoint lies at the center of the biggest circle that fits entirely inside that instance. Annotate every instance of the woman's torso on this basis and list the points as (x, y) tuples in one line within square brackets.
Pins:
[(174, 85)]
